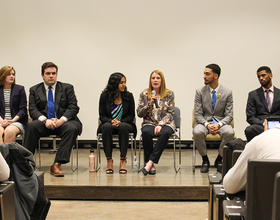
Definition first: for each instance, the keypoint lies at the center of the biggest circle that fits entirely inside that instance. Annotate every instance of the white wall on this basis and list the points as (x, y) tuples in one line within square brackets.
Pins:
[(91, 39)]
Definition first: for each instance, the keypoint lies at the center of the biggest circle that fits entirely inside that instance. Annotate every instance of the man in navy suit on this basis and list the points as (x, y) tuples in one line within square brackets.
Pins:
[(53, 108), (262, 103)]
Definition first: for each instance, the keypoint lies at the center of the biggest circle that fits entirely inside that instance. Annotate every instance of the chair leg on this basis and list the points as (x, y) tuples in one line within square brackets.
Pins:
[(193, 160), (39, 152), (54, 150), (174, 155), (132, 146), (98, 157), (140, 143), (77, 156)]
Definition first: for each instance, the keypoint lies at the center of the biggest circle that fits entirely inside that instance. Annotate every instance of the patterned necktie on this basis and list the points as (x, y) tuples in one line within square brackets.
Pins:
[(268, 99), (214, 98), (51, 109)]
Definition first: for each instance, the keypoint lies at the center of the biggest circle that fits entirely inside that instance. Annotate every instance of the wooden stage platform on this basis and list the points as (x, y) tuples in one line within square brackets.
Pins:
[(166, 185)]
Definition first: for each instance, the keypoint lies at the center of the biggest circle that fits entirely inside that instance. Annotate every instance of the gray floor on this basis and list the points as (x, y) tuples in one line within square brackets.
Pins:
[(103, 210)]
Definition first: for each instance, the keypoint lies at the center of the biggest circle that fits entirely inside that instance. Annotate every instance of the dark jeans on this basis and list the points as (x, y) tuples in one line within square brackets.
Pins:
[(123, 131), (150, 152)]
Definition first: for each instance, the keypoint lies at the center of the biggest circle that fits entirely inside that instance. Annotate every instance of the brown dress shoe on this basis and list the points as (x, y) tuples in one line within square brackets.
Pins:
[(56, 170)]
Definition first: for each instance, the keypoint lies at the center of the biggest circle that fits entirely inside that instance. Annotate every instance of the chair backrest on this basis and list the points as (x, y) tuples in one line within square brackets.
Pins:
[(235, 155), (177, 117), (194, 121), (229, 158), (276, 198), (259, 189)]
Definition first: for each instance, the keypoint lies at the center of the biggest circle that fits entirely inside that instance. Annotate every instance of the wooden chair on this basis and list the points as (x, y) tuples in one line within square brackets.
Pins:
[(7, 200), (216, 191), (259, 191), (276, 198)]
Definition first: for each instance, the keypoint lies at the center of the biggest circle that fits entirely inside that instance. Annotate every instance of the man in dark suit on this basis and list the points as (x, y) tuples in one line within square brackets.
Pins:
[(213, 110), (53, 108), (262, 103)]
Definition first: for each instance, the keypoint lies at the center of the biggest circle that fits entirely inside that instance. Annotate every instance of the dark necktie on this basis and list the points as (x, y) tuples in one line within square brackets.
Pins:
[(51, 109), (268, 99), (214, 98)]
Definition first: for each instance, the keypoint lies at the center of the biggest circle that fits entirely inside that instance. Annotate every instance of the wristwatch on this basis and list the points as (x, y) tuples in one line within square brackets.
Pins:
[(44, 121)]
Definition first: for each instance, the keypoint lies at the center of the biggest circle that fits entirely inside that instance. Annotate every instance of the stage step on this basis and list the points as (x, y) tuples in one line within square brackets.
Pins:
[(151, 193)]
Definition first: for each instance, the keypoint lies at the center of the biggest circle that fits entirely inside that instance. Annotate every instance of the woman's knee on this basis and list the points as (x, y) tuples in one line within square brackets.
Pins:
[(1, 131), (11, 131)]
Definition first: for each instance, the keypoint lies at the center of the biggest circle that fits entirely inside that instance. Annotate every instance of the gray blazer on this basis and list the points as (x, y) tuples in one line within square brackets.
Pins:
[(223, 111)]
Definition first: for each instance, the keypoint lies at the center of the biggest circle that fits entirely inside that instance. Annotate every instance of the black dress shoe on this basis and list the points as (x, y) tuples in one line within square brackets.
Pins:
[(152, 172), (205, 167), (144, 171)]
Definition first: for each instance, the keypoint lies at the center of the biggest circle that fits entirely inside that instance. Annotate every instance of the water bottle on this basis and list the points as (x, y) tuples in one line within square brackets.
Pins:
[(135, 164), (91, 161)]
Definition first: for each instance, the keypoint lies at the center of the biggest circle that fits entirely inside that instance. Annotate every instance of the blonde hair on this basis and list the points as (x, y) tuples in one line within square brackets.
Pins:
[(5, 70), (163, 90)]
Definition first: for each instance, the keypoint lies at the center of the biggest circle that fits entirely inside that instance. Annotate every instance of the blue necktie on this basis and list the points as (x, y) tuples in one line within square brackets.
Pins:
[(214, 98), (51, 109)]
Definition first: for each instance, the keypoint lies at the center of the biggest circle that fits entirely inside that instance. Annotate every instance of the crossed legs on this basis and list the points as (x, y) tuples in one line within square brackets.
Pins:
[(153, 153)]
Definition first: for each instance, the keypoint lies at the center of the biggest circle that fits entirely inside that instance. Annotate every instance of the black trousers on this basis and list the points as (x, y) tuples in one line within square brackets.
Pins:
[(150, 152), (253, 130), (122, 130), (68, 133)]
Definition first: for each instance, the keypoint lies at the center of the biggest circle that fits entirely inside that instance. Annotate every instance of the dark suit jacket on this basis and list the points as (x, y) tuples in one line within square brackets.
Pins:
[(257, 110), (65, 102), (18, 103), (105, 111)]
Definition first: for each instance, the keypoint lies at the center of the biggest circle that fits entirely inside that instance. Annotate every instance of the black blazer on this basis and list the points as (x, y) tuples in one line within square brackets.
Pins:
[(18, 103), (105, 111), (257, 109), (65, 103)]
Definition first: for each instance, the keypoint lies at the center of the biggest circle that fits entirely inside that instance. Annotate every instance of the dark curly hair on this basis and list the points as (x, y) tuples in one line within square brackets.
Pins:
[(112, 88)]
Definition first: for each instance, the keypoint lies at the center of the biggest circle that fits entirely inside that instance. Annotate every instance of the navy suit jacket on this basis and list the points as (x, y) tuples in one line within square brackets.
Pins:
[(18, 103), (105, 111), (65, 103), (257, 109)]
